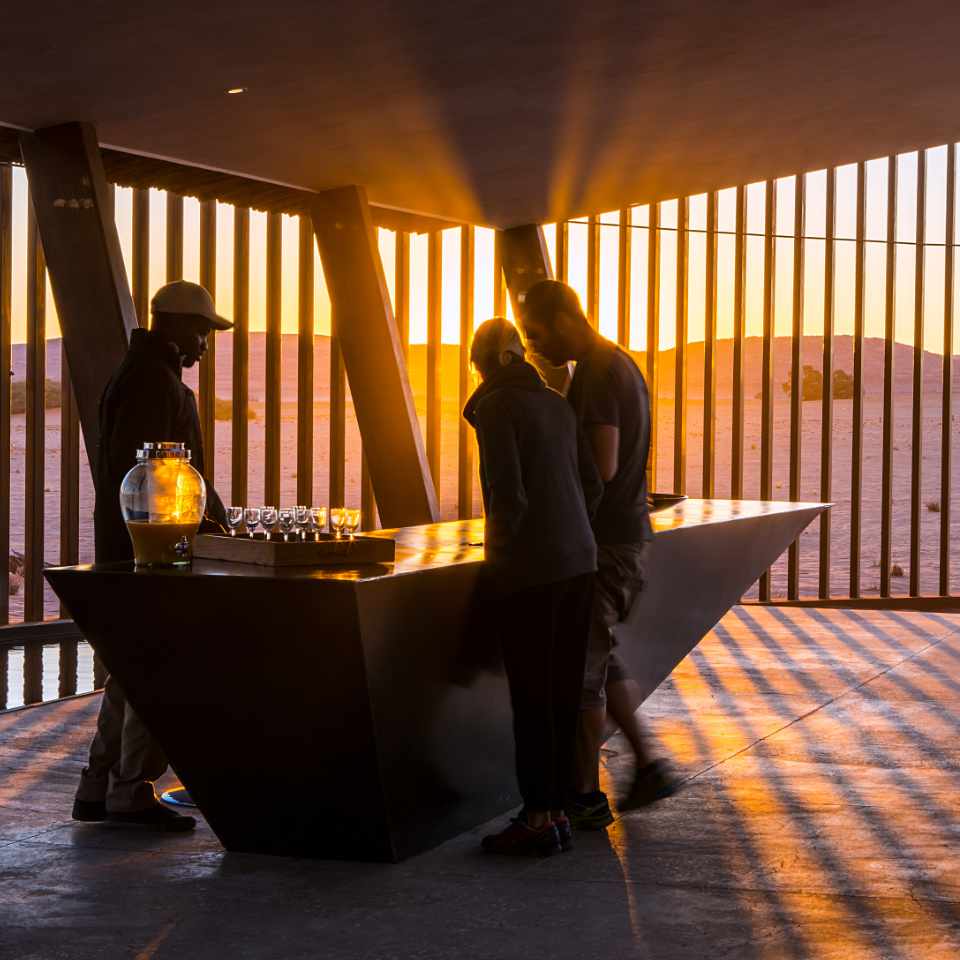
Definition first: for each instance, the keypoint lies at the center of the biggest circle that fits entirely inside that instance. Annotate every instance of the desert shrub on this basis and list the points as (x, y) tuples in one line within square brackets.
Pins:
[(933, 506), (811, 387), (842, 385), (18, 395), (223, 410)]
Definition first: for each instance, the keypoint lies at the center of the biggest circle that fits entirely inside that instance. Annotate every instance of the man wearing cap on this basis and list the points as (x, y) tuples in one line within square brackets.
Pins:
[(145, 401)]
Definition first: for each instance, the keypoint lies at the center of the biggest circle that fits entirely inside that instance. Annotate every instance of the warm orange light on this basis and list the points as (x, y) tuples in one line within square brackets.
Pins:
[(234, 90)]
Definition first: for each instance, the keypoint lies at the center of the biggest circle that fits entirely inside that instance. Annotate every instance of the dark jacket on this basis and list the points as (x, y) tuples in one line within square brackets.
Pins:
[(144, 401), (533, 471)]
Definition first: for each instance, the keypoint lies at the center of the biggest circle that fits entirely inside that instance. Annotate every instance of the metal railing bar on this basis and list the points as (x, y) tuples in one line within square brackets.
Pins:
[(856, 458), (680, 354), (272, 438), (766, 389), (886, 484), (946, 423), (338, 412), (653, 335), (465, 439), (174, 263), (6, 284), (826, 396), (916, 459), (739, 325), (709, 350), (305, 332), (796, 394), (35, 424), (241, 356), (208, 364), (434, 386)]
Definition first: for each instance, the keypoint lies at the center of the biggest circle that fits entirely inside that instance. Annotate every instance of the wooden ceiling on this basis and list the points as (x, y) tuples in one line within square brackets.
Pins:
[(492, 112)]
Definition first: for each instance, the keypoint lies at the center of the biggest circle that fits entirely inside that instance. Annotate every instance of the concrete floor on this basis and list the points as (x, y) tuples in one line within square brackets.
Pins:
[(821, 819)]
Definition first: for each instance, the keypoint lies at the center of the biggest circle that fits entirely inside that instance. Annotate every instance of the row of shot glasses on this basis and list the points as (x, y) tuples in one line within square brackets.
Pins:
[(304, 522)]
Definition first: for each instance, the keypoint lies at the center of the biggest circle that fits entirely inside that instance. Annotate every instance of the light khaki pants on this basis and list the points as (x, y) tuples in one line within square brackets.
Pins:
[(124, 759)]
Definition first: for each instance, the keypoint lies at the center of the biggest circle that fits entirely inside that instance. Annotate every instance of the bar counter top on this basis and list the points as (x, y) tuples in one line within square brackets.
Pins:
[(438, 545)]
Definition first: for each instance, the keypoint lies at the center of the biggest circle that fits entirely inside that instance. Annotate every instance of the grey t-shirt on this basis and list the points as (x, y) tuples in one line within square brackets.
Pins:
[(608, 390)]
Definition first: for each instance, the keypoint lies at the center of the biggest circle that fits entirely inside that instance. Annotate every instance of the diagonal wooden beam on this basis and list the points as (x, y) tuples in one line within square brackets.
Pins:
[(75, 220), (373, 358)]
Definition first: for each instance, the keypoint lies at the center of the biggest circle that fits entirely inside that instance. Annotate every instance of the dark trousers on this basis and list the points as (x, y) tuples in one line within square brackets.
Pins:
[(544, 649)]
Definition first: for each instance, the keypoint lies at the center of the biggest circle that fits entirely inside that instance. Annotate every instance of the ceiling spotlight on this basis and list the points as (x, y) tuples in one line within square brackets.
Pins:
[(237, 90)]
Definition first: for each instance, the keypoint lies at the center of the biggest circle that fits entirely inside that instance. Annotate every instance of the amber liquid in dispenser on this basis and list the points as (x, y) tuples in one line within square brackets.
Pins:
[(154, 544)]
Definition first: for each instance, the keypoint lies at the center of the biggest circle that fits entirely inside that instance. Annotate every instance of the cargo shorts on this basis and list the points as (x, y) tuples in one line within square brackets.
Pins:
[(619, 579)]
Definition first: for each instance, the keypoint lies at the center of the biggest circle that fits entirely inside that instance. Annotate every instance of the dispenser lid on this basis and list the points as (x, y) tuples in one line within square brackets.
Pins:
[(163, 450)]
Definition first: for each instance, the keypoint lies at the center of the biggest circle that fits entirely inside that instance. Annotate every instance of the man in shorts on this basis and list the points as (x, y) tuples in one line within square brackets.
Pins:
[(610, 399)]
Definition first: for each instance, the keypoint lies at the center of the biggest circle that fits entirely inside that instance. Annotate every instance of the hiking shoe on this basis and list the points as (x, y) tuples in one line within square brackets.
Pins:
[(157, 817), (521, 840), (650, 783), (89, 811), (590, 811), (564, 832)]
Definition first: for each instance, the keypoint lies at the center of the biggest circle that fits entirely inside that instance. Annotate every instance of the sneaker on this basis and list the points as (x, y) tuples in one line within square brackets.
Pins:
[(564, 832), (650, 783), (590, 811), (157, 817), (521, 840), (89, 811)]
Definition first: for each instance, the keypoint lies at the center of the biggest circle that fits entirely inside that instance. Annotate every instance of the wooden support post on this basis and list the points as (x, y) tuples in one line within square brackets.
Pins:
[(680, 353), (709, 350), (373, 358), (241, 354), (35, 429), (76, 224), (208, 364), (826, 402), (141, 255), (526, 261), (652, 371), (434, 347), (305, 333), (766, 388), (174, 237), (6, 283), (739, 328), (271, 466), (796, 356)]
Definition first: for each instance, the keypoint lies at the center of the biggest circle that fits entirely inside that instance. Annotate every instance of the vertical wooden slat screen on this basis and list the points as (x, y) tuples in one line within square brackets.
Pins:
[(624, 243), (34, 466), (140, 280), (739, 323), (796, 394), (593, 271), (946, 425), (916, 459), (709, 348), (35, 424), (653, 334), (464, 434), (6, 283), (680, 352), (826, 401), (271, 476), (434, 304), (241, 355), (856, 471), (766, 389), (208, 365), (305, 365), (889, 344), (401, 284), (562, 246), (174, 238), (338, 405)]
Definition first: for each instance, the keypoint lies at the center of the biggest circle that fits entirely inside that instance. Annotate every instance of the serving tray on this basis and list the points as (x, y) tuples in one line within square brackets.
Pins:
[(327, 551)]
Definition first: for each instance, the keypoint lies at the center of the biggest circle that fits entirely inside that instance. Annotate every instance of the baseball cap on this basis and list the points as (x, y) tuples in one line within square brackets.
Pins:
[(182, 296)]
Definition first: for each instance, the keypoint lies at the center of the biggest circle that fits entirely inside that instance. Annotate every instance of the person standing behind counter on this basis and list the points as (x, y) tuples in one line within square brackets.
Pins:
[(541, 557), (609, 396), (145, 401)]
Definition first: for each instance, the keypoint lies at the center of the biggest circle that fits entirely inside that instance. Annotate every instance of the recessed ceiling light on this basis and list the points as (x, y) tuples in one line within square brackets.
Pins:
[(237, 90)]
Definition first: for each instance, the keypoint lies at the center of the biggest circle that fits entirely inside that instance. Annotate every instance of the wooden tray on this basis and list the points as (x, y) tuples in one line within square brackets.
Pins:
[(325, 552)]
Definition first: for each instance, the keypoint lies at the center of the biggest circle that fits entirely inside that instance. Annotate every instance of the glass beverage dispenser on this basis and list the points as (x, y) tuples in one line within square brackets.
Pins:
[(163, 499)]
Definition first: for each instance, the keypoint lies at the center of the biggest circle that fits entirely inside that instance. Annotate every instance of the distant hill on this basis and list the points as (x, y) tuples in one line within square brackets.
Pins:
[(811, 353)]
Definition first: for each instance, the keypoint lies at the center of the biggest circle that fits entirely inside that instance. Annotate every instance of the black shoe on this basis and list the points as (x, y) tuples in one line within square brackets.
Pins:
[(89, 811), (521, 840), (590, 811), (157, 817), (650, 783), (564, 832)]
